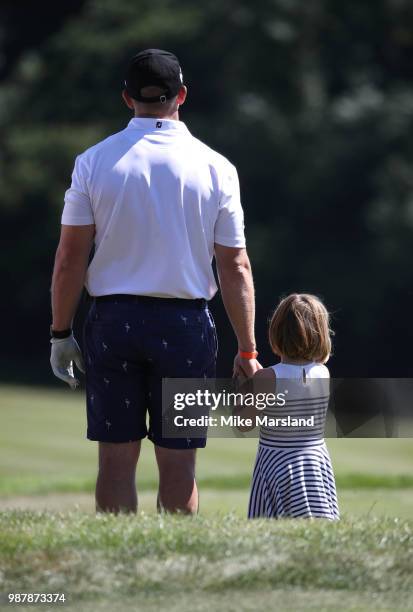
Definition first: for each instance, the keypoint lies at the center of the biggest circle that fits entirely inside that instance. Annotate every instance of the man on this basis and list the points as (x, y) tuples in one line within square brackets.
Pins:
[(157, 204)]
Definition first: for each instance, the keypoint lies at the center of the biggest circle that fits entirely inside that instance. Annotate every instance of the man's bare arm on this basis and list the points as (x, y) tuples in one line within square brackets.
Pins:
[(69, 272), (237, 289)]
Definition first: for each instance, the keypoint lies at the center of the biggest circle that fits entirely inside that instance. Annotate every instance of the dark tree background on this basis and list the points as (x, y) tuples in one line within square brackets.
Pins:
[(312, 101)]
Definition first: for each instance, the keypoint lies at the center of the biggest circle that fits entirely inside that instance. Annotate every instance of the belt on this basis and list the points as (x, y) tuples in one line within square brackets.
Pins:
[(148, 299)]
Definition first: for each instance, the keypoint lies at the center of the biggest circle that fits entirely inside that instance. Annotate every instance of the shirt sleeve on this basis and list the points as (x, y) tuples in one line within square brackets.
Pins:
[(78, 208), (229, 226)]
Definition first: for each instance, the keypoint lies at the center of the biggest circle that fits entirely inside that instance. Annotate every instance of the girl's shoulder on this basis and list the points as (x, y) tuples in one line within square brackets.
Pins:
[(319, 370), (264, 381), (265, 373)]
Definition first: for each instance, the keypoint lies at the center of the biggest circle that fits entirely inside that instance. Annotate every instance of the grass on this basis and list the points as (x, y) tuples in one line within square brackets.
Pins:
[(217, 560), (39, 486), (44, 454), (164, 557)]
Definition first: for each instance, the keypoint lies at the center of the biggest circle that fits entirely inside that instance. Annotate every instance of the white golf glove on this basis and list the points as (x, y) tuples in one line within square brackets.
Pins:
[(65, 351)]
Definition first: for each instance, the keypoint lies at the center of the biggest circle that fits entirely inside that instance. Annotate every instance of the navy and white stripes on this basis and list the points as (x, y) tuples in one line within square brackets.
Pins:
[(293, 476), (293, 482)]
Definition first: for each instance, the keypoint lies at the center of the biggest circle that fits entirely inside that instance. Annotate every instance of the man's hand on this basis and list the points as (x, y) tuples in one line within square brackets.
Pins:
[(64, 352), (245, 368)]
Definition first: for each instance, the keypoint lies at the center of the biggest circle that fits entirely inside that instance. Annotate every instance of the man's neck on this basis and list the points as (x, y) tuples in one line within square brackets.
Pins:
[(173, 117)]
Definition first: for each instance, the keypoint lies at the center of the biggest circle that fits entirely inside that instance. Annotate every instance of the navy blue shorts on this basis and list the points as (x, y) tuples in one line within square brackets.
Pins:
[(130, 344)]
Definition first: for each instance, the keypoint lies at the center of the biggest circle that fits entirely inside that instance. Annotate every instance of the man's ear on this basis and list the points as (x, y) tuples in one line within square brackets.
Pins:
[(127, 99), (182, 93)]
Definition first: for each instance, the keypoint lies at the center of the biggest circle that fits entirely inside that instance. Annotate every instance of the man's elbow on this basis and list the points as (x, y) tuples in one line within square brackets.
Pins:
[(238, 267), (243, 265), (67, 259)]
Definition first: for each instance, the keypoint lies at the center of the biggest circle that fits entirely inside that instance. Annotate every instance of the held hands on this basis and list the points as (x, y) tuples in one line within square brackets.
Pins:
[(245, 367), (64, 352)]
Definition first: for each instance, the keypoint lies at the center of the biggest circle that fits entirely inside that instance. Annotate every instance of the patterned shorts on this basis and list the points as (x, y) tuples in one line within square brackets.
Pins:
[(130, 344)]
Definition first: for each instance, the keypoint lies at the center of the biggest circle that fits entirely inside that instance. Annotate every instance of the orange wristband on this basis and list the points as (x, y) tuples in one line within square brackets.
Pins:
[(248, 354)]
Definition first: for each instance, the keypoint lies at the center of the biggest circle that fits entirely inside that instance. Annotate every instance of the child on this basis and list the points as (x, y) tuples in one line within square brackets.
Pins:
[(293, 476)]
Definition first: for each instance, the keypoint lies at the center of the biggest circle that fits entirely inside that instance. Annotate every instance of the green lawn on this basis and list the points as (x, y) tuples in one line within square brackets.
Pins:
[(43, 452), (215, 561), (177, 563)]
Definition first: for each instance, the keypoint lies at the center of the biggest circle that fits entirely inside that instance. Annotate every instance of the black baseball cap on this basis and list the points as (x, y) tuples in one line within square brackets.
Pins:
[(157, 68)]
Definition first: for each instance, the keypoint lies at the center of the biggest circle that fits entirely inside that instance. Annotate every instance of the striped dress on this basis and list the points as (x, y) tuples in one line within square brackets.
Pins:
[(293, 475)]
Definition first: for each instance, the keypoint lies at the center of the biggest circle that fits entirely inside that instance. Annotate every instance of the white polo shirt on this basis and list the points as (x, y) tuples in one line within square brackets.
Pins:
[(159, 199)]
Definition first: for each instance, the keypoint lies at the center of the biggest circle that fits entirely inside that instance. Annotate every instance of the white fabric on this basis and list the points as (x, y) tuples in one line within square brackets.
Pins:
[(293, 371), (307, 391), (159, 198)]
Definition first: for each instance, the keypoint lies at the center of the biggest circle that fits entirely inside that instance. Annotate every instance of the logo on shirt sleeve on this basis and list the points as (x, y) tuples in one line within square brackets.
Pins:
[(159, 124)]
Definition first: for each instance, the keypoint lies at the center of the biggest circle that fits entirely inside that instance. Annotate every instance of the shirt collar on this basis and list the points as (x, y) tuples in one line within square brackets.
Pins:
[(149, 124)]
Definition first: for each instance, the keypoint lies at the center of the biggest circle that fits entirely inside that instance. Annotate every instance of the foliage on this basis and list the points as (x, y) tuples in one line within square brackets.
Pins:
[(313, 103)]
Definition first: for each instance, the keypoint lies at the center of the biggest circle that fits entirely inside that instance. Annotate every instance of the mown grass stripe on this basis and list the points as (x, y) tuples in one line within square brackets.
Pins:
[(19, 486)]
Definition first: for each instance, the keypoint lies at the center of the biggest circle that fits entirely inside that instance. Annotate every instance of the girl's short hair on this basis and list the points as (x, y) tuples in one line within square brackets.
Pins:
[(300, 328)]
